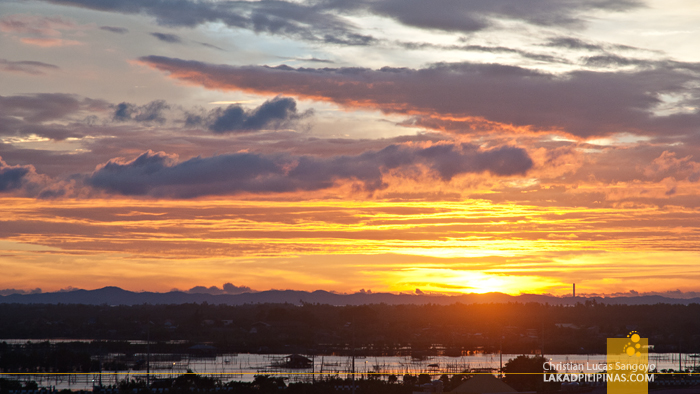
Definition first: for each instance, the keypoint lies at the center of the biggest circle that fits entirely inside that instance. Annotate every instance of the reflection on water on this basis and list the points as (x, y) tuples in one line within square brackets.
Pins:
[(243, 367)]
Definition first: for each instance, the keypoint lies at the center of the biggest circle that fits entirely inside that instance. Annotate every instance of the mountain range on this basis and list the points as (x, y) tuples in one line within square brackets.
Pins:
[(118, 296)]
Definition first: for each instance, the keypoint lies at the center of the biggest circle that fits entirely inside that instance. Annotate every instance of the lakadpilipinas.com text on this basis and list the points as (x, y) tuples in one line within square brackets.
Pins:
[(598, 372)]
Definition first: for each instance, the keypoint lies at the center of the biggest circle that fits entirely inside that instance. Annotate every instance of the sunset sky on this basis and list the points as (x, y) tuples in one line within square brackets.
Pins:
[(451, 146)]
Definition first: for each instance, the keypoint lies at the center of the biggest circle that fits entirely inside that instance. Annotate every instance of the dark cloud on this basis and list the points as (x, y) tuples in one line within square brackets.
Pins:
[(459, 97), (228, 288), (204, 44), (291, 19), (473, 15), (14, 177), (309, 59), (169, 38), (273, 113), (50, 115), (151, 112), (40, 107), (611, 60), (577, 43), (6, 292), (482, 49), (27, 67), (322, 20), (118, 30), (573, 43), (161, 175), (11, 177)]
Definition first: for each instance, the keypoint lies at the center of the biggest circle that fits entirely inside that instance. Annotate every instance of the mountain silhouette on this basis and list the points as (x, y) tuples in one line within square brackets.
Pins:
[(117, 296)]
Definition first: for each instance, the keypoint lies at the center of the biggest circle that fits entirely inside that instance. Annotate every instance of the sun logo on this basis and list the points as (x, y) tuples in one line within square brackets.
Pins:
[(632, 348)]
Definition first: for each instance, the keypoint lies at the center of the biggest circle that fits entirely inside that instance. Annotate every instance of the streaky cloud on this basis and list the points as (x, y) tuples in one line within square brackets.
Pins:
[(114, 29), (323, 20), (166, 37), (464, 97), (26, 67)]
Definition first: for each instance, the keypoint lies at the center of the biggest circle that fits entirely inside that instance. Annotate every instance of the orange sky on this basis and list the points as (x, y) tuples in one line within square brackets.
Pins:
[(459, 246)]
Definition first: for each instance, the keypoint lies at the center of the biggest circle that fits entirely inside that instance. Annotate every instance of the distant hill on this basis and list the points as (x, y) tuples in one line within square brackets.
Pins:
[(118, 296)]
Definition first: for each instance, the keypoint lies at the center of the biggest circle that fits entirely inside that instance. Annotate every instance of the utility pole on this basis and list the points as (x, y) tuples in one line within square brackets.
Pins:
[(500, 354), (148, 355), (353, 355)]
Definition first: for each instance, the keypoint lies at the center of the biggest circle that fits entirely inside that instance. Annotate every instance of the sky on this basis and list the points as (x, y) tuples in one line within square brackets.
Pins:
[(457, 146)]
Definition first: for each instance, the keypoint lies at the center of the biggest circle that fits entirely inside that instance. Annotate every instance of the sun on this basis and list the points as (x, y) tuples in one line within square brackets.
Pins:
[(480, 282)]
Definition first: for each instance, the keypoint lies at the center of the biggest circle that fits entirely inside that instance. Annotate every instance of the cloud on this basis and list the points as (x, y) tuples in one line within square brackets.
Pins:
[(465, 97), (273, 113), (118, 30), (47, 42), (169, 38), (204, 44), (27, 67), (6, 292), (481, 48), (36, 25), (43, 107), (610, 60), (49, 115), (668, 165), (573, 43), (39, 31), (162, 175), (326, 20), (11, 177), (228, 288), (151, 112), (14, 177), (474, 15), (290, 19), (313, 60)]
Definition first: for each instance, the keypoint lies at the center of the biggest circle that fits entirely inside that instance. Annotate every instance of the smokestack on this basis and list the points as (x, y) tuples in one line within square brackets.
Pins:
[(574, 290)]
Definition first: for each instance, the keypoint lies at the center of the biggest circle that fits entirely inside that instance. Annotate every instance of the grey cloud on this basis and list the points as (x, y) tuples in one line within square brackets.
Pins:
[(204, 44), (315, 60), (151, 112), (160, 175), (14, 177), (11, 177), (40, 107), (583, 103), (473, 15), (273, 113), (610, 60), (26, 66), (169, 38), (37, 114), (6, 292), (322, 20), (303, 21), (118, 30), (228, 288), (483, 49), (573, 43)]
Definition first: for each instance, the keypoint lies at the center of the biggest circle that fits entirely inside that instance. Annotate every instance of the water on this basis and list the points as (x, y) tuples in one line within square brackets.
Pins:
[(243, 367)]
